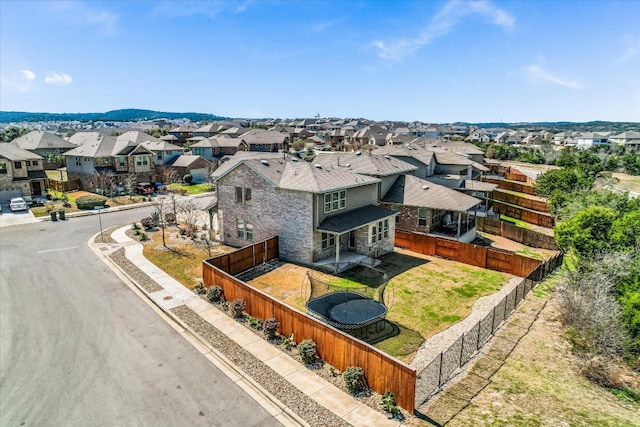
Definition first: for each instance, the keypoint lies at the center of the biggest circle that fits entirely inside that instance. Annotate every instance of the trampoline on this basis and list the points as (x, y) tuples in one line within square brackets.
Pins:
[(348, 311)]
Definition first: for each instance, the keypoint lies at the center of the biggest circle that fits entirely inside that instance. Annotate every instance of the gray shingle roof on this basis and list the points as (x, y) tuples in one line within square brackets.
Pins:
[(39, 140), (354, 219), (15, 153), (295, 175), (413, 191), (366, 164)]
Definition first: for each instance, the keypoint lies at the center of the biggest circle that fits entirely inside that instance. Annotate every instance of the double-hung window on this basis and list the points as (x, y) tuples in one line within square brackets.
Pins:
[(422, 217), (380, 231), (240, 228)]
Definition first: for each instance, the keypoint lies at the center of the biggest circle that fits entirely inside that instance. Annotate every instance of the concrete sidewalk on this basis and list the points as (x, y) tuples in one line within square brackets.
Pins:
[(174, 294)]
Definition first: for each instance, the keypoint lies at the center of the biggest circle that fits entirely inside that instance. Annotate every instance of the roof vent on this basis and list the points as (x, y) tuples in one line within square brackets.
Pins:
[(425, 187), (358, 152), (264, 162), (294, 159), (386, 156), (317, 166)]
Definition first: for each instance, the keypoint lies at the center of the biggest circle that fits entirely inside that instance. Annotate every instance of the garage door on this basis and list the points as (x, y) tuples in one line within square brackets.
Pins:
[(6, 195)]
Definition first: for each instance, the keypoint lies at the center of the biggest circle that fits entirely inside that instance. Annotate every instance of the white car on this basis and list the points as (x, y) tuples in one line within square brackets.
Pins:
[(18, 204)]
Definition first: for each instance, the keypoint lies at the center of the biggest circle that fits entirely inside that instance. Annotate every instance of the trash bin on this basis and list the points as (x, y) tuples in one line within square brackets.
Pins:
[(53, 216), (61, 214)]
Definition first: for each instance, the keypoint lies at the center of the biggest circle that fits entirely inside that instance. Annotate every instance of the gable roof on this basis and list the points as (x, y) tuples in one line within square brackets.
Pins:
[(261, 136), (419, 153), (186, 160), (410, 190), (161, 145), (39, 140)]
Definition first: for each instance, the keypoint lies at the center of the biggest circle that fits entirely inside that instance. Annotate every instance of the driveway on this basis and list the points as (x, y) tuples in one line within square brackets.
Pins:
[(8, 218)]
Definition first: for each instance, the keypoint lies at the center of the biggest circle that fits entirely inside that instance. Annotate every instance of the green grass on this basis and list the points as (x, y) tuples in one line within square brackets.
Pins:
[(191, 189), (516, 222)]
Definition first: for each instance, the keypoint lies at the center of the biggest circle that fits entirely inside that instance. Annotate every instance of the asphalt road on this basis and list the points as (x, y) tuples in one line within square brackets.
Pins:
[(79, 348)]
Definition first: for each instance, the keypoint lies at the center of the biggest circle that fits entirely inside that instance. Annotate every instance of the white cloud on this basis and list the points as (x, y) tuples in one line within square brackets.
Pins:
[(28, 74), (58, 79), (537, 74), (85, 14), (208, 8), (442, 23)]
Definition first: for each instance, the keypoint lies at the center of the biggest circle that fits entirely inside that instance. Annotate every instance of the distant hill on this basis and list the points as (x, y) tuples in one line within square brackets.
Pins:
[(126, 115)]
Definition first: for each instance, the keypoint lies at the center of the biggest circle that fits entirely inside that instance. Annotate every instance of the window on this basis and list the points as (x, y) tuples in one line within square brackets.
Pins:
[(249, 229), (335, 201), (385, 228), (328, 240), (28, 162), (374, 234), (240, 228), (17, 165), (422, 217), (142, 160), (396, 208), (3, 168), (35, 163), (243, 195), (121, 161), (380, 231), (78, 161)]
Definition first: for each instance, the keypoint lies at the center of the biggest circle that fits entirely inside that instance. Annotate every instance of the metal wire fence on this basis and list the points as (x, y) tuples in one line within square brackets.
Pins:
[(444, 366)]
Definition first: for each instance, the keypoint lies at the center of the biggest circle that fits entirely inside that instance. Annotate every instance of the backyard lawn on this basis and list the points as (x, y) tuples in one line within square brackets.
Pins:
[(39, 211), (191, 189)]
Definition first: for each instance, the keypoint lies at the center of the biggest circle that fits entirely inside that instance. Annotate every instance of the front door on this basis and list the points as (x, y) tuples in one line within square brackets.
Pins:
[(36, 188), (352, 239)]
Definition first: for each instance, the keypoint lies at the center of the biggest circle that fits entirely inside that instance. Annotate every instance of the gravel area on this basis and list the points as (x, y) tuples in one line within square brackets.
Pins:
[(106, 236), (148, 284), (305, 407)]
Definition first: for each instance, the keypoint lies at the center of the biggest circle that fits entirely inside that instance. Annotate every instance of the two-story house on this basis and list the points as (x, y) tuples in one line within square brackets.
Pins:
[(324, 216), (44, 144), (21, 173)]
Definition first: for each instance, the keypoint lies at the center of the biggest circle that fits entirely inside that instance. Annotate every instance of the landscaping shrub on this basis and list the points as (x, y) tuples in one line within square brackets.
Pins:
[(188, 178), (200, 289), (215, 294), (354, 379), (254, 322), (389, 404), (270, 327), (90, 201), (170, 218), (148, 223), (288, 342), (143, 237), (237, 308), (307, 351), (135, 226)]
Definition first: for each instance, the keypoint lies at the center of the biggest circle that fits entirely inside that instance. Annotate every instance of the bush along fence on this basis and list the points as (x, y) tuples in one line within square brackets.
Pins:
[(383, 372), (430, 380)]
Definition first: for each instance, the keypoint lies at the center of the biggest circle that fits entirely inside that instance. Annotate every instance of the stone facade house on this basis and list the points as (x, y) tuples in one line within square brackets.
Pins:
[(21, 173), (324, 216), (196, 166), (43, 143)]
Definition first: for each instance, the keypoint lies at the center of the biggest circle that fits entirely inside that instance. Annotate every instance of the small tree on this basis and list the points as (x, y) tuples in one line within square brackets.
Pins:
[(187, 178), (270, 327), (237, 308), (130, 183), (189, 214), (354, 379), (307, 350), (159, 216)]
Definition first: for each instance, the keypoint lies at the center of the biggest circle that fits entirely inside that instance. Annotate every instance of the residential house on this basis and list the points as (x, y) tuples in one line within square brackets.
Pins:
[(44, 144), (372, 135), (163, 151), (628, 139), (265, 140), (21, 173), (425, 207), (198, 167), (110, 156), (590, 139), (212, 129), (324, 216), (416, 155), (182, 133)]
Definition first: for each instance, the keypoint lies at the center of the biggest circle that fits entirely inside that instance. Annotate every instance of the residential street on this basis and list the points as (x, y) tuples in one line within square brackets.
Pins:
[(79, 348)]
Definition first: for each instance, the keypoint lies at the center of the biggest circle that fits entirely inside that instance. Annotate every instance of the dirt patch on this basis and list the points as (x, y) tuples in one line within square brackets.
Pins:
[(500, 242)]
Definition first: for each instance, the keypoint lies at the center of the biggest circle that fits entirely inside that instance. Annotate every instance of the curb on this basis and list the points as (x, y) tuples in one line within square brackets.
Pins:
[(223, 360)]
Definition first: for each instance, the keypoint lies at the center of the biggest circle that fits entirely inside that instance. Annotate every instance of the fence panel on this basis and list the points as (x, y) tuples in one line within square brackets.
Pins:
[(450, 360), (427, 382), (470, 343)]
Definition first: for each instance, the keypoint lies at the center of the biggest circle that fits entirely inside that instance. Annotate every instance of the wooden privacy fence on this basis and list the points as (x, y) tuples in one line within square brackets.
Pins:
[(518, 234), (64, 186), (338, 349), (532, 217), (248, 257), (467, 253), (512, 186), (514, 199), (436, 373)]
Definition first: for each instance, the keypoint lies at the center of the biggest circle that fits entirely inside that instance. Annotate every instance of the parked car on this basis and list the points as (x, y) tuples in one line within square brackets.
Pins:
[(18, 204), (145, 188)]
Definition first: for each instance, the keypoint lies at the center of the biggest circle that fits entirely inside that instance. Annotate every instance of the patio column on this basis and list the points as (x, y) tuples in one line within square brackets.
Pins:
[(337, 252), (459, 223)]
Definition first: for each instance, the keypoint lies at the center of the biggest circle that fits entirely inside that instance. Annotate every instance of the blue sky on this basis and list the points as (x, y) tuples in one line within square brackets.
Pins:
[(434, 61)]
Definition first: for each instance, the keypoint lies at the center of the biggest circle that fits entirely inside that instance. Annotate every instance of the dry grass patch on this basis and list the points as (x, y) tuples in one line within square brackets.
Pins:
[(183, 259)]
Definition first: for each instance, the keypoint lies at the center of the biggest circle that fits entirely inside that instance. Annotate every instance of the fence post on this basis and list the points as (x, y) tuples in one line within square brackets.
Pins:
[(493, 321), (504, 311), (461, 351), (440, 373)]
